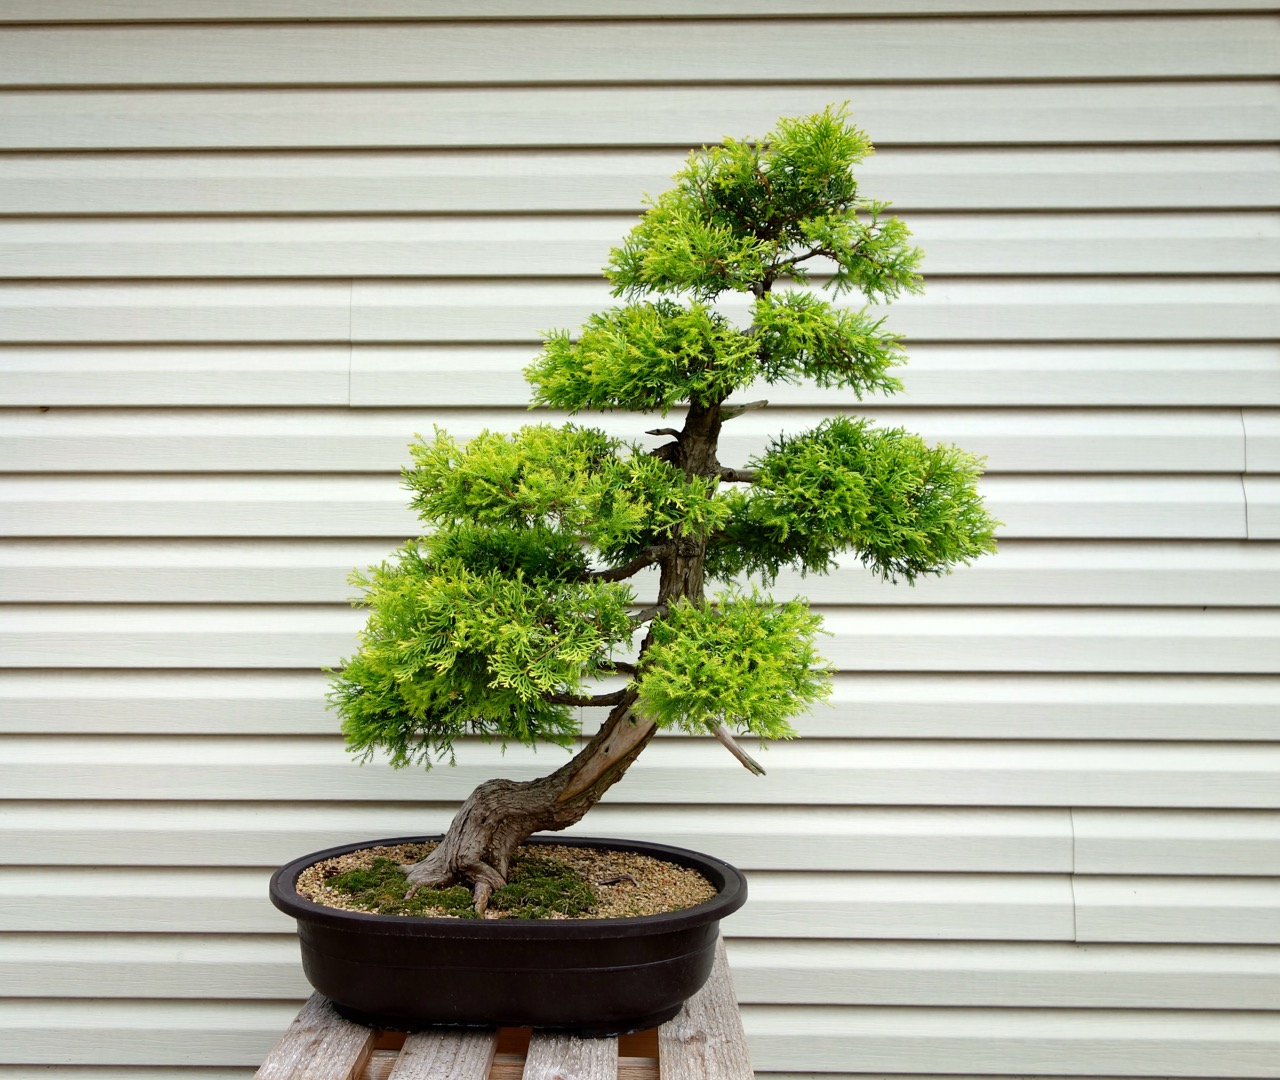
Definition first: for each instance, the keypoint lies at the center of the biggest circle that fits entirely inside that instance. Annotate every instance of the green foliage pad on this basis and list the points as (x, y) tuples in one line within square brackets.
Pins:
[(506, 615)]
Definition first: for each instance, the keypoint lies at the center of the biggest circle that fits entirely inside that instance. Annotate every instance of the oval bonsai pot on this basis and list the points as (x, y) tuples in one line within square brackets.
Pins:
[(589, 976)]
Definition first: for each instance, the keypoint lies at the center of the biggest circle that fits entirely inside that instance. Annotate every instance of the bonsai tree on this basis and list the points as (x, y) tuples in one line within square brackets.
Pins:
[(505, 617)]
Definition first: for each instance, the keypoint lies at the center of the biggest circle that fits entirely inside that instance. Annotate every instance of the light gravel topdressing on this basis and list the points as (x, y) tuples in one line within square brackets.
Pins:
[(626, 883)]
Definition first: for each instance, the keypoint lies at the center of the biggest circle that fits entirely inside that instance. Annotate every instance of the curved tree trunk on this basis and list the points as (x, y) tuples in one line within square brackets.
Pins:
[(499, 815)]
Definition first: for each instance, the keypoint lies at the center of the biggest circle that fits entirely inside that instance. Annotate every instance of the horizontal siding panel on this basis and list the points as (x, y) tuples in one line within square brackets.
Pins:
[(640, 52), (141, 1033), (1163, 113), (247, 967), (1100, 573), (275, 311), (1177, 909), (1058, 975), (300, 440), (673, 771), (948, 375), (940, 839), (865, 639), (817, 905), (306, 506), (560, 247), (1060, 375), (536, 180), (244, 374), (1212, 843), (866, 705), (1025, 310), (438, 376), (1089, 1042), (73, 11), (387, 311), (827, 972), (1262, 439), (337, 506), (1262, 496), (1124, 507), (1135, 841)]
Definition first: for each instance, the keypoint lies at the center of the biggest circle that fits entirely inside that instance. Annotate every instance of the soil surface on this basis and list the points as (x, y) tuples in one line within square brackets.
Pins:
[(626, 883)]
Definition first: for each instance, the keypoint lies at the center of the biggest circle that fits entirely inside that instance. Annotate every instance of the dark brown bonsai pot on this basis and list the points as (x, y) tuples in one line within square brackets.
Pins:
[(590, 976)]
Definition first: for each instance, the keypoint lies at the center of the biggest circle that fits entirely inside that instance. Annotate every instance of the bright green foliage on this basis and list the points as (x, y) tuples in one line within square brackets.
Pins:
[(646, 357), (743, 661), (452, 649), (511, 606), (801, 336), (906, 508), (744, 214), (575, 481)]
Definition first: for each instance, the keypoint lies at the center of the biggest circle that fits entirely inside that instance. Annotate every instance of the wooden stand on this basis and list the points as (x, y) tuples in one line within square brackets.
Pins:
[(704, 1041)]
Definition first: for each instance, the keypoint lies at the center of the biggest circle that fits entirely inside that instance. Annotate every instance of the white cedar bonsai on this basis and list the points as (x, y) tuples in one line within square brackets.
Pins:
[(498, 622)]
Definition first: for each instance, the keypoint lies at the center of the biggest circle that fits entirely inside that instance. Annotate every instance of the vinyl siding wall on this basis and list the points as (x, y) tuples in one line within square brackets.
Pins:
[(248, 249)]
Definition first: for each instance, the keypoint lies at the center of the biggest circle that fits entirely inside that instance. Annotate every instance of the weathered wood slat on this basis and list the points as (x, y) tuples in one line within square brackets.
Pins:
[(567, 1057), (705, 1040), (1170, 114), (319, 1045), (455, 1054)]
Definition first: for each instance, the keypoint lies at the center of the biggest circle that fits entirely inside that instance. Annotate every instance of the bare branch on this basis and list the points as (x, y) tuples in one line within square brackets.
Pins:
[(645, 614), (586, 700), (621, 667), (728, 412), (739, 476), (667, 452), (648, 557), (664, 431), (731, 744)]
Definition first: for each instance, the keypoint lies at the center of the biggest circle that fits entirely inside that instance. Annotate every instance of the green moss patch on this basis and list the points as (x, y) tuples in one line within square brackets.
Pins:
[(537, 888), (381, 889)]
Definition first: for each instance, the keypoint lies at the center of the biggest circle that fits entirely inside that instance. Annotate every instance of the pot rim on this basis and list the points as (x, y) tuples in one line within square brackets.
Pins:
[(730, 883)]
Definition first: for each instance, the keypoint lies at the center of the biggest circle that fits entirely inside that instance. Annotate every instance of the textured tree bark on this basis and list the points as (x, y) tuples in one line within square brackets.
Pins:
[(500, 815)]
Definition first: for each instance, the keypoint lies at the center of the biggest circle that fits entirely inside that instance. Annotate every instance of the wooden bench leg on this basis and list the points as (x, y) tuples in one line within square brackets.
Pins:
[(705, 1039)]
